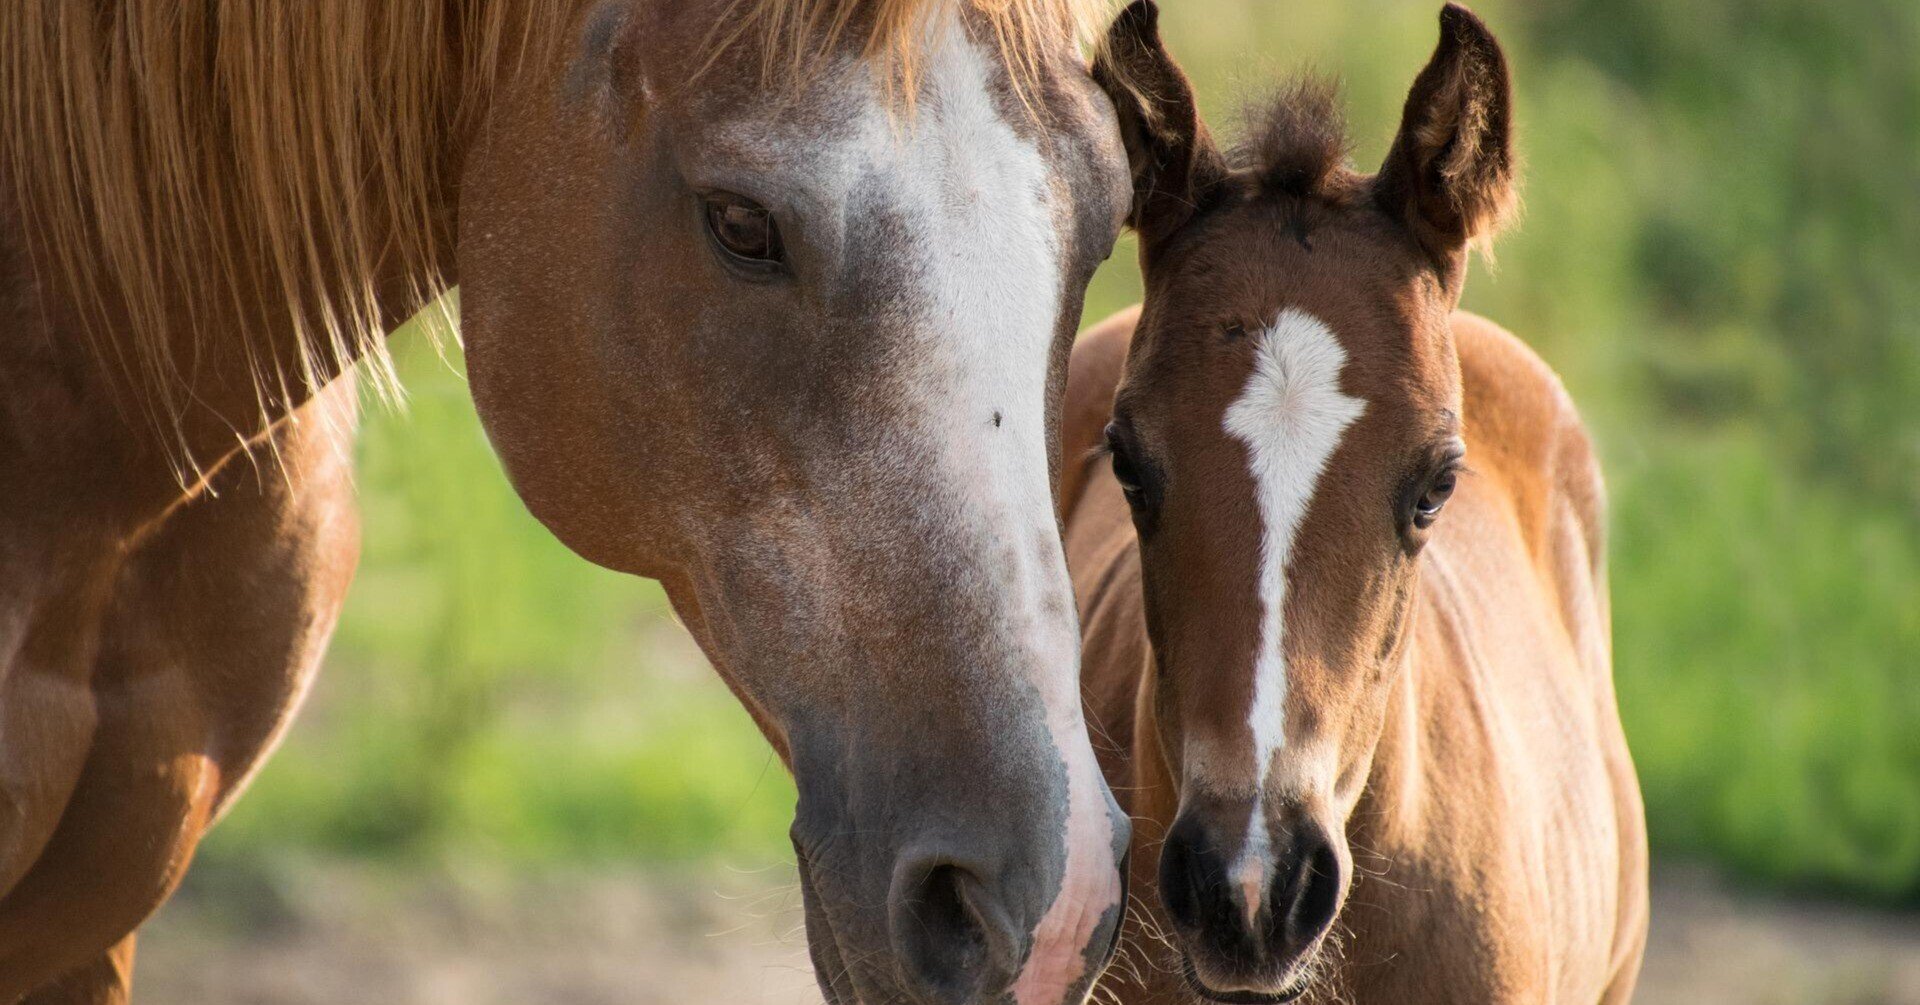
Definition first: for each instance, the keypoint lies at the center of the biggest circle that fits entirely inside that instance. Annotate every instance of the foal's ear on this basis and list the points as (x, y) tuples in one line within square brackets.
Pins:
[(1449, 175), (1176, 167)]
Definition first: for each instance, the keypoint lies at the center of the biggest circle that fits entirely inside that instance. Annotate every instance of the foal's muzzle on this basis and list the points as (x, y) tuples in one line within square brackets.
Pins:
[(1249, 909)]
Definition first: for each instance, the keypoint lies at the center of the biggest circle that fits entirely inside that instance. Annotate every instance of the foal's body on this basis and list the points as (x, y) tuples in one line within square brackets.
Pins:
[(1499, 845), (1337, 549)]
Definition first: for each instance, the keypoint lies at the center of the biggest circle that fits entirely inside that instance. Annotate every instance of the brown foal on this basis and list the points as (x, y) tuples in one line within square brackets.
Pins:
[(1338, 550)]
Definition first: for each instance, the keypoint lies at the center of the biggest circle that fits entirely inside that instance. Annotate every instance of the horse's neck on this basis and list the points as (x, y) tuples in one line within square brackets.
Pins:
[(245, 385), (247, 364)]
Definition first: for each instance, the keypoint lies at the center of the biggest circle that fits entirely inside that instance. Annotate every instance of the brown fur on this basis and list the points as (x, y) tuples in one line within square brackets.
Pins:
[(1449, 717), (155, 683), (210, 212), (203, 174)]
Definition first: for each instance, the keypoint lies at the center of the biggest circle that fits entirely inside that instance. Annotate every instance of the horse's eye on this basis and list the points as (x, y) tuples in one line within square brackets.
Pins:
[(1438, 491), (1140, 480), (1123, 470), (744, 230), (1124, 473)]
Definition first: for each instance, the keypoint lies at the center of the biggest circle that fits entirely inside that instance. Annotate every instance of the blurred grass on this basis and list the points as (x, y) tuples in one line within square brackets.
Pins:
[(1765, 637), (1720, 255), (490, 694)]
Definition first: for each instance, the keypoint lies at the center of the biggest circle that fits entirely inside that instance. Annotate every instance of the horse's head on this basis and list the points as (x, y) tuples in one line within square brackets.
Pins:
[(792, 343), (1287, 433)]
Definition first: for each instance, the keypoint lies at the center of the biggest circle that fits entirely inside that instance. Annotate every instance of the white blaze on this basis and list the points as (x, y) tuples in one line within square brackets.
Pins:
[(1291, 417), (980, 255), (979, 202)]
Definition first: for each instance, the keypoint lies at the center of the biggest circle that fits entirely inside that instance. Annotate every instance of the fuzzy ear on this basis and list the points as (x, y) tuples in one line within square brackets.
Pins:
[(1449, 175), (1176, 167)]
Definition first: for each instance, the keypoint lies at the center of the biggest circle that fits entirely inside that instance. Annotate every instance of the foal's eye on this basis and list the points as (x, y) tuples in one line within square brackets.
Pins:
[(1141, 481), (1124, 471), (744, 230), (1136, 477), (1427, 508)]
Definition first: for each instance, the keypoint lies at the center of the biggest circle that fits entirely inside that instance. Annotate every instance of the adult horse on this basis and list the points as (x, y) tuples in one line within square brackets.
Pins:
[(770, 301), (1342, 580)]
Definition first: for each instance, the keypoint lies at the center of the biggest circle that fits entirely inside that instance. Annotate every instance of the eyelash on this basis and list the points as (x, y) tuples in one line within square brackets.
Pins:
[(1435, 488)]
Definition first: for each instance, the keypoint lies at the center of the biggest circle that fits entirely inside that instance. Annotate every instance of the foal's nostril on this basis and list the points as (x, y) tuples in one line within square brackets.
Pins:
[(1308, 892), (1203, 904), (1190, 874), (953, 939)]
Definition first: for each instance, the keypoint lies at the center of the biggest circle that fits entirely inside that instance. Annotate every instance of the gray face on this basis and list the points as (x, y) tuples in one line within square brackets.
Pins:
[(796, 353)]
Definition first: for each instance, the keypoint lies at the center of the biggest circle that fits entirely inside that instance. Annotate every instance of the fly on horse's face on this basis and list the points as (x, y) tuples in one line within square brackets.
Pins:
[(1287, 432), (794, 349)]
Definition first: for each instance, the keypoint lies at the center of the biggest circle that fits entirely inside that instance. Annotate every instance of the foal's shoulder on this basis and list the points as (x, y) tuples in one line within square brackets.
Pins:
[(1099, 357), (1510, 390), (1523, 427)]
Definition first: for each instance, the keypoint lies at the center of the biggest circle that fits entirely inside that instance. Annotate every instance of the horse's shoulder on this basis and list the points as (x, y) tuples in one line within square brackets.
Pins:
[(1099, 357)]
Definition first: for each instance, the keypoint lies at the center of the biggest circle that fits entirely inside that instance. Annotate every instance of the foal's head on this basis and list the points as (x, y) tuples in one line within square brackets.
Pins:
[(1287, 433)]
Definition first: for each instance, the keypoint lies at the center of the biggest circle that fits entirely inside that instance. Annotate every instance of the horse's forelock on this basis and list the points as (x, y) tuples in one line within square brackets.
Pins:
[(793, 35)]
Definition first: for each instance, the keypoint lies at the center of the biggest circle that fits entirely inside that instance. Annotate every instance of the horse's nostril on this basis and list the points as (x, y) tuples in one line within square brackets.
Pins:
[(949, 933), (1310, 892)]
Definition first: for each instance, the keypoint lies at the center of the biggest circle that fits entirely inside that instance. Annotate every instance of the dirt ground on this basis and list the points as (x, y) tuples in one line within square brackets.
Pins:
[(333, 933)]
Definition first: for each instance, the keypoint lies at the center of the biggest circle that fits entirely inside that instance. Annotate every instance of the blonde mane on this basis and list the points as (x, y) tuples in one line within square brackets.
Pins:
[(792, 33), (199, 170)]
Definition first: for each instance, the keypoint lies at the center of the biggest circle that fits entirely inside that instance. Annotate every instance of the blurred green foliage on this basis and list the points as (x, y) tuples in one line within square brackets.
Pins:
[(1721, 255), (490, 694)]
